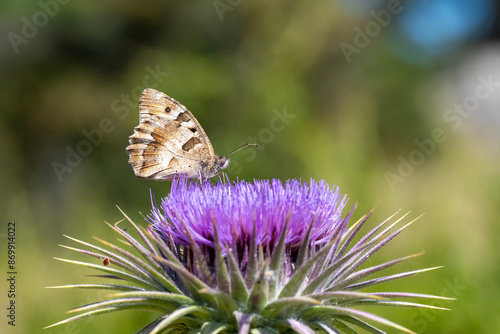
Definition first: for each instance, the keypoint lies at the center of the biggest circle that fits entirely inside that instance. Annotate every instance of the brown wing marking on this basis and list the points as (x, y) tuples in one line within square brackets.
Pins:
[(190, 144), (150, 135), (155, 103)]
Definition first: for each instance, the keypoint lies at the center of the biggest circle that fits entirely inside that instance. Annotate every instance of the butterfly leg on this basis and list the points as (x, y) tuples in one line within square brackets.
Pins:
[(200, 178)]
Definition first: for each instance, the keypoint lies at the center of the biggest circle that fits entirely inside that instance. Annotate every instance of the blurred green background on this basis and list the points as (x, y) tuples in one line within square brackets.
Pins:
[(397, 103)]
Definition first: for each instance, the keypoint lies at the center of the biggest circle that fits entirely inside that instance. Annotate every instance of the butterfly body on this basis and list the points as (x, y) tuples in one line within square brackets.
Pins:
[(169, 142)]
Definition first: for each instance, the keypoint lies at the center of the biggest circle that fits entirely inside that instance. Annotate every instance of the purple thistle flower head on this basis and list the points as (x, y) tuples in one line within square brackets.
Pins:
[(237, 208), (247, 257)]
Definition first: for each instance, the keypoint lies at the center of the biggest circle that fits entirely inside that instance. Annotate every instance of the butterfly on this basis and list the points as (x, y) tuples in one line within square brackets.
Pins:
[(169, 142)]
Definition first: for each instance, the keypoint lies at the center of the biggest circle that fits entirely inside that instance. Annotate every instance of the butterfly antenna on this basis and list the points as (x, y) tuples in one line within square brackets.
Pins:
[(242, 148)]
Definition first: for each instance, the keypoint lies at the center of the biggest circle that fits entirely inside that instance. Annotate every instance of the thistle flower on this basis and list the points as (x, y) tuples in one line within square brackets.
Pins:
[(243, 257), (243, 210)]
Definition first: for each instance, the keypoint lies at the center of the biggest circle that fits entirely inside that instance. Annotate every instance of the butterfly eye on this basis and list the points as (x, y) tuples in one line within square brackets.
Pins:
[(167, 109), (224, 162)]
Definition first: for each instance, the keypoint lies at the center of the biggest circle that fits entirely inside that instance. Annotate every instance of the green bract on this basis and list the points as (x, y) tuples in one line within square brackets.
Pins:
[(249, 286)]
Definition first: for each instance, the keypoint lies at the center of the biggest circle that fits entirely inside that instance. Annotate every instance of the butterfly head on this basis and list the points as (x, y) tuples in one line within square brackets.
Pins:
[(219, 163), (213, 167)]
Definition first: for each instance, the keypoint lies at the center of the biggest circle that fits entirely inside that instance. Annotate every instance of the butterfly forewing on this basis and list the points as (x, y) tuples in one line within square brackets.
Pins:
[(169, 141)]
